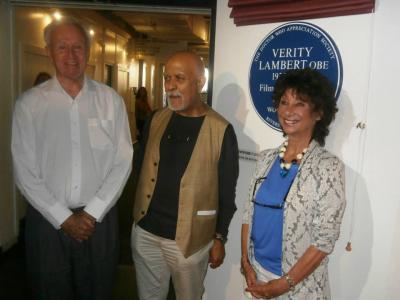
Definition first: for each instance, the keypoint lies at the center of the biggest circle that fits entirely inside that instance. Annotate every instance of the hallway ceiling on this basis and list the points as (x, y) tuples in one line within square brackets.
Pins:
[(149, 30), (149, 25), (167, 27)]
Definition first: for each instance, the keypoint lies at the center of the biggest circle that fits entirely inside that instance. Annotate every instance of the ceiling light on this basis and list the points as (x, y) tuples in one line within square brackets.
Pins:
[(46, 20), (57, 16)]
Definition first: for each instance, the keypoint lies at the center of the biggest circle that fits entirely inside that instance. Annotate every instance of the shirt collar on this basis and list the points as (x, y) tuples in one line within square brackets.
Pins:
[(55, 86)]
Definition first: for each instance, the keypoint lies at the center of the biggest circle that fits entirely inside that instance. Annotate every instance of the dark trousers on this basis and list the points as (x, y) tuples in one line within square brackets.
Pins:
[(59, 267)]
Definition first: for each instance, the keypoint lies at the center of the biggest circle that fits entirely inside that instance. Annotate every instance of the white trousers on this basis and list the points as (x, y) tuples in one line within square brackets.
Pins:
[(157, 259)]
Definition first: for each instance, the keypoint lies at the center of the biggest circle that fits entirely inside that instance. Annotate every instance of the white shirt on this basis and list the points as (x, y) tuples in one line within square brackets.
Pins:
[(71, 153)]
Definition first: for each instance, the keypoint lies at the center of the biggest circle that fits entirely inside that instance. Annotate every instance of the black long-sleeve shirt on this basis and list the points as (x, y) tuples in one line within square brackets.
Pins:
[(176, 147)]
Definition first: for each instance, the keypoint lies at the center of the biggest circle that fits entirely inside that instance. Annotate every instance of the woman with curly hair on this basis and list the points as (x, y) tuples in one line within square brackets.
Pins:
[(296, 199)]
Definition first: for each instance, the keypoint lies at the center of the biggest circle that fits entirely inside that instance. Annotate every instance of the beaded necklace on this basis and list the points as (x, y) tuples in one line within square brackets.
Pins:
[(285, 166)]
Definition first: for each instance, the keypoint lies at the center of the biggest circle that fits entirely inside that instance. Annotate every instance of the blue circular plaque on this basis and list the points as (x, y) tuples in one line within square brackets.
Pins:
[(294, 45)]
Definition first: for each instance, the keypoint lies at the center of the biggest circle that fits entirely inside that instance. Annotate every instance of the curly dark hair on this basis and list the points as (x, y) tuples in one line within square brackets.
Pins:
[(315, 87)]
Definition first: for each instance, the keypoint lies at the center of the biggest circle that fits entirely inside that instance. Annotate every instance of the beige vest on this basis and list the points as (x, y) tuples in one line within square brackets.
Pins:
[(198, 194)]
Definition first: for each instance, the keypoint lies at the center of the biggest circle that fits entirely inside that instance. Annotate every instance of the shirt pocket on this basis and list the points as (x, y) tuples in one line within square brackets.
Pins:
[(100, 133)]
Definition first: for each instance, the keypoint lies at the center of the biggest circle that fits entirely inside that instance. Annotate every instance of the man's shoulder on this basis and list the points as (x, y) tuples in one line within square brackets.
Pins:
[(28, 94), (217, 117), (99, 86), (164, 111), (33, 94)]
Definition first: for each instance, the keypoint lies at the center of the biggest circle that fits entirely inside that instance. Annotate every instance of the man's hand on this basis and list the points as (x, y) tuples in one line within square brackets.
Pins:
[(217, 254), (79, 226)]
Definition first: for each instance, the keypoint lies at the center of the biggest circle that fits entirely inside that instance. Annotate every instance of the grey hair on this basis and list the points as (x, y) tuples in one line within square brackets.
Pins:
[(49, 29)]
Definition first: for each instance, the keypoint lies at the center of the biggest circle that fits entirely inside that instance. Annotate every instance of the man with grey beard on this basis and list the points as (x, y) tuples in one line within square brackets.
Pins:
[(186, 189)]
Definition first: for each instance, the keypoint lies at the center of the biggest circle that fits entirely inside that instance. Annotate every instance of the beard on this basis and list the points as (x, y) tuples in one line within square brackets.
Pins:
[(176, 104)]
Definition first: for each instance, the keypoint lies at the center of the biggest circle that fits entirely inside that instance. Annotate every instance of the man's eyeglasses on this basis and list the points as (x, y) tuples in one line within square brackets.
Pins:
[(273, 206)]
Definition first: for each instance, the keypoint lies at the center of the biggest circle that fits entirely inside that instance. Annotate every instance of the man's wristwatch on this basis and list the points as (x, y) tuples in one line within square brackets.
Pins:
[(220, 237)]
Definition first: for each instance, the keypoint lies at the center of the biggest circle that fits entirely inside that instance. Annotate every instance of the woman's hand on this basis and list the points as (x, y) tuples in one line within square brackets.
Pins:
[(269, 290), (248, 272)]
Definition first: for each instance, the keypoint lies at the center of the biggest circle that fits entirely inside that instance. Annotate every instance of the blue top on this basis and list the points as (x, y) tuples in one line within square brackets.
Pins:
[(267, 227)]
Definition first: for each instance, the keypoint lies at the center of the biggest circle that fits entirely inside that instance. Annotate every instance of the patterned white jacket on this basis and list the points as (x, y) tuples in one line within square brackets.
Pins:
[(313, 213)]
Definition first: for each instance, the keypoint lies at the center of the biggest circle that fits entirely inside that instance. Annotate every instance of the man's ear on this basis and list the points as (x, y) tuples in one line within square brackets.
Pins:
[(201, 80), (87, 53), (49, 53)]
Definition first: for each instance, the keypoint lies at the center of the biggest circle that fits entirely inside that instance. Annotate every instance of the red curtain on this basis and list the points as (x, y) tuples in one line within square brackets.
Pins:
[(248, 12)]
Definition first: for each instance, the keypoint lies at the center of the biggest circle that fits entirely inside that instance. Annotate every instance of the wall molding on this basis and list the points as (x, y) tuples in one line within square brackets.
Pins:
[(251, 12)]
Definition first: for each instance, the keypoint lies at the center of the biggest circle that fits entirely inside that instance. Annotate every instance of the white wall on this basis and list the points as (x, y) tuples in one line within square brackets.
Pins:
[(382, 150), (369, 45)]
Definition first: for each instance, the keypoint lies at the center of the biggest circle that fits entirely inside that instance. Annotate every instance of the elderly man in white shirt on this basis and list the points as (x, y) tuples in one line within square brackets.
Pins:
[(72, 153)]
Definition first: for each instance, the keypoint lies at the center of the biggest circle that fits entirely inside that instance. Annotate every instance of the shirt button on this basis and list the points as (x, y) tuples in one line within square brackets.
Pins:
[(152, 180), (155, 163), (142, 212), (148, 196)]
